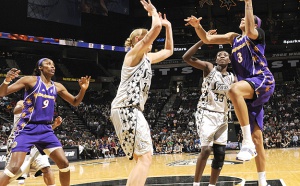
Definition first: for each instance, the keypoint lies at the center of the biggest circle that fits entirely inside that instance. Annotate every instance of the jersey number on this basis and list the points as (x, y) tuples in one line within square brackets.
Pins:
[(240, 57), (45, 103), (219, 97)]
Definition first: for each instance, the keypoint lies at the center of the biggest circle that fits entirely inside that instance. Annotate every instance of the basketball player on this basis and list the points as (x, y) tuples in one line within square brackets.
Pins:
[(127, 107), (256, 82), (34, 127), (212, 112), (34, 161)]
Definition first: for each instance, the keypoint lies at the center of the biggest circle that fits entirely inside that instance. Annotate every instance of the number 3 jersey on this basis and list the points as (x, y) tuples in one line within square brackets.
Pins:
[(214, 91), (39, 103)]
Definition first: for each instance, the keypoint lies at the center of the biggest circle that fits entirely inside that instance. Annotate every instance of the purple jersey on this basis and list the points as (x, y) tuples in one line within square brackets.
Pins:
[(248, 59), (34, 127), (250, 64), (39, 103)]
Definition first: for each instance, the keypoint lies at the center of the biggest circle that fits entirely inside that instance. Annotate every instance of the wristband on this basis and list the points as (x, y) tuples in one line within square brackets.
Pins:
[(6, 82)]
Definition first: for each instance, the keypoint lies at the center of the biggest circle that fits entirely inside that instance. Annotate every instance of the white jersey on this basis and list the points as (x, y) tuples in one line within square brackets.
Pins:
[(134, 86), (214, 91), (16, 120), (11, 137)]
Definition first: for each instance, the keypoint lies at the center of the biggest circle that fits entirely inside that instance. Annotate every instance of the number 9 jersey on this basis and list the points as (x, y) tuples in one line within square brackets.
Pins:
[(39, 103)]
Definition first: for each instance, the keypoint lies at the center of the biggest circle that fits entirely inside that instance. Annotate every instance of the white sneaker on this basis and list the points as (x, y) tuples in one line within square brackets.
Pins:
[(264, 183), (21, 182), (246, 153)]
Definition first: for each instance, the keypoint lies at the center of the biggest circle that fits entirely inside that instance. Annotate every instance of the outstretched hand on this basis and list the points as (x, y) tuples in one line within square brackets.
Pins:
[(12, 74), (164, 21), (57, 121), (148, 6), (193, 21), (84, 82)]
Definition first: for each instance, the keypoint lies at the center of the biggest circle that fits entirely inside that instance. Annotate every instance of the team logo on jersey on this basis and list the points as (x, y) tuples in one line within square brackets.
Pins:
[(14, 144), (220, 86), (192, 162)]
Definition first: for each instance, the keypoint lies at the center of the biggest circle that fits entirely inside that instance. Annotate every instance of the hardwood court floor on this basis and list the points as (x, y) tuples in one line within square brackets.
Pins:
[(281, 164)]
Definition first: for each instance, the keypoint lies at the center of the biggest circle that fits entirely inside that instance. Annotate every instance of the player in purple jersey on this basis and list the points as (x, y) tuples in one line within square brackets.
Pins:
[(34, 127), (256, 82), (33, 161)]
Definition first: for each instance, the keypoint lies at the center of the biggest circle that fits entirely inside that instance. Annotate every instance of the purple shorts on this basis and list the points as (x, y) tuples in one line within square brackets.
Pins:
[(263, 89), (40, 135)]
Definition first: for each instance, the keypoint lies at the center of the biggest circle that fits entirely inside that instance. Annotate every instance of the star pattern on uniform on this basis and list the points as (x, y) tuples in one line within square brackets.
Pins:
[(270, 82), (133, 90), (262, 63), (30, 109), (259, 72), (227, 3), (130, 101), (131, 131), (130, 106), (202, 2), (23, 125), (255, 58), (128, 119), (130, 109), (29, 101)]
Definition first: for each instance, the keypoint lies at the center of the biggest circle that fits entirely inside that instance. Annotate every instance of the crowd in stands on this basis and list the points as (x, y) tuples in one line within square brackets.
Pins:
[(175, 134), (282, 128)]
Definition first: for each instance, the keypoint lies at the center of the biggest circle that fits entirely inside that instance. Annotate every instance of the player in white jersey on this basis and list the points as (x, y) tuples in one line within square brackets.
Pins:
[(34, 161), (126, 109), (212, 110)]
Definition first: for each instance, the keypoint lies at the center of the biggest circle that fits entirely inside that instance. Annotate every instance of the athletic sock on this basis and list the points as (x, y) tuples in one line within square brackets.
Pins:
[(247, 139), (262, 178)]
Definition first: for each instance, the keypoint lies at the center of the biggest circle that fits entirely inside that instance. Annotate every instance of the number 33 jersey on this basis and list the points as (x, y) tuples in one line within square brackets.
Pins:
[(214, 91)]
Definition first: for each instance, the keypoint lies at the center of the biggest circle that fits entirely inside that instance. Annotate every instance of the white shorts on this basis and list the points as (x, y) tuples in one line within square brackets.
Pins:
[(212, 127), (41, 161), (132, 130), (33, 162)]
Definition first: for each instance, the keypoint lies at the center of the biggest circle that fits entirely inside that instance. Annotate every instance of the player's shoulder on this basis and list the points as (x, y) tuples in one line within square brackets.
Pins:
[(20, 102), (232, 35), (59, 86), (29, 78)]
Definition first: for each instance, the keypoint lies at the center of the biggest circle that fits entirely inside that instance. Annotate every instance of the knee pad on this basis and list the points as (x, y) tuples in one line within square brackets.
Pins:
[(67, 169), (8, 173), (219, 156)]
